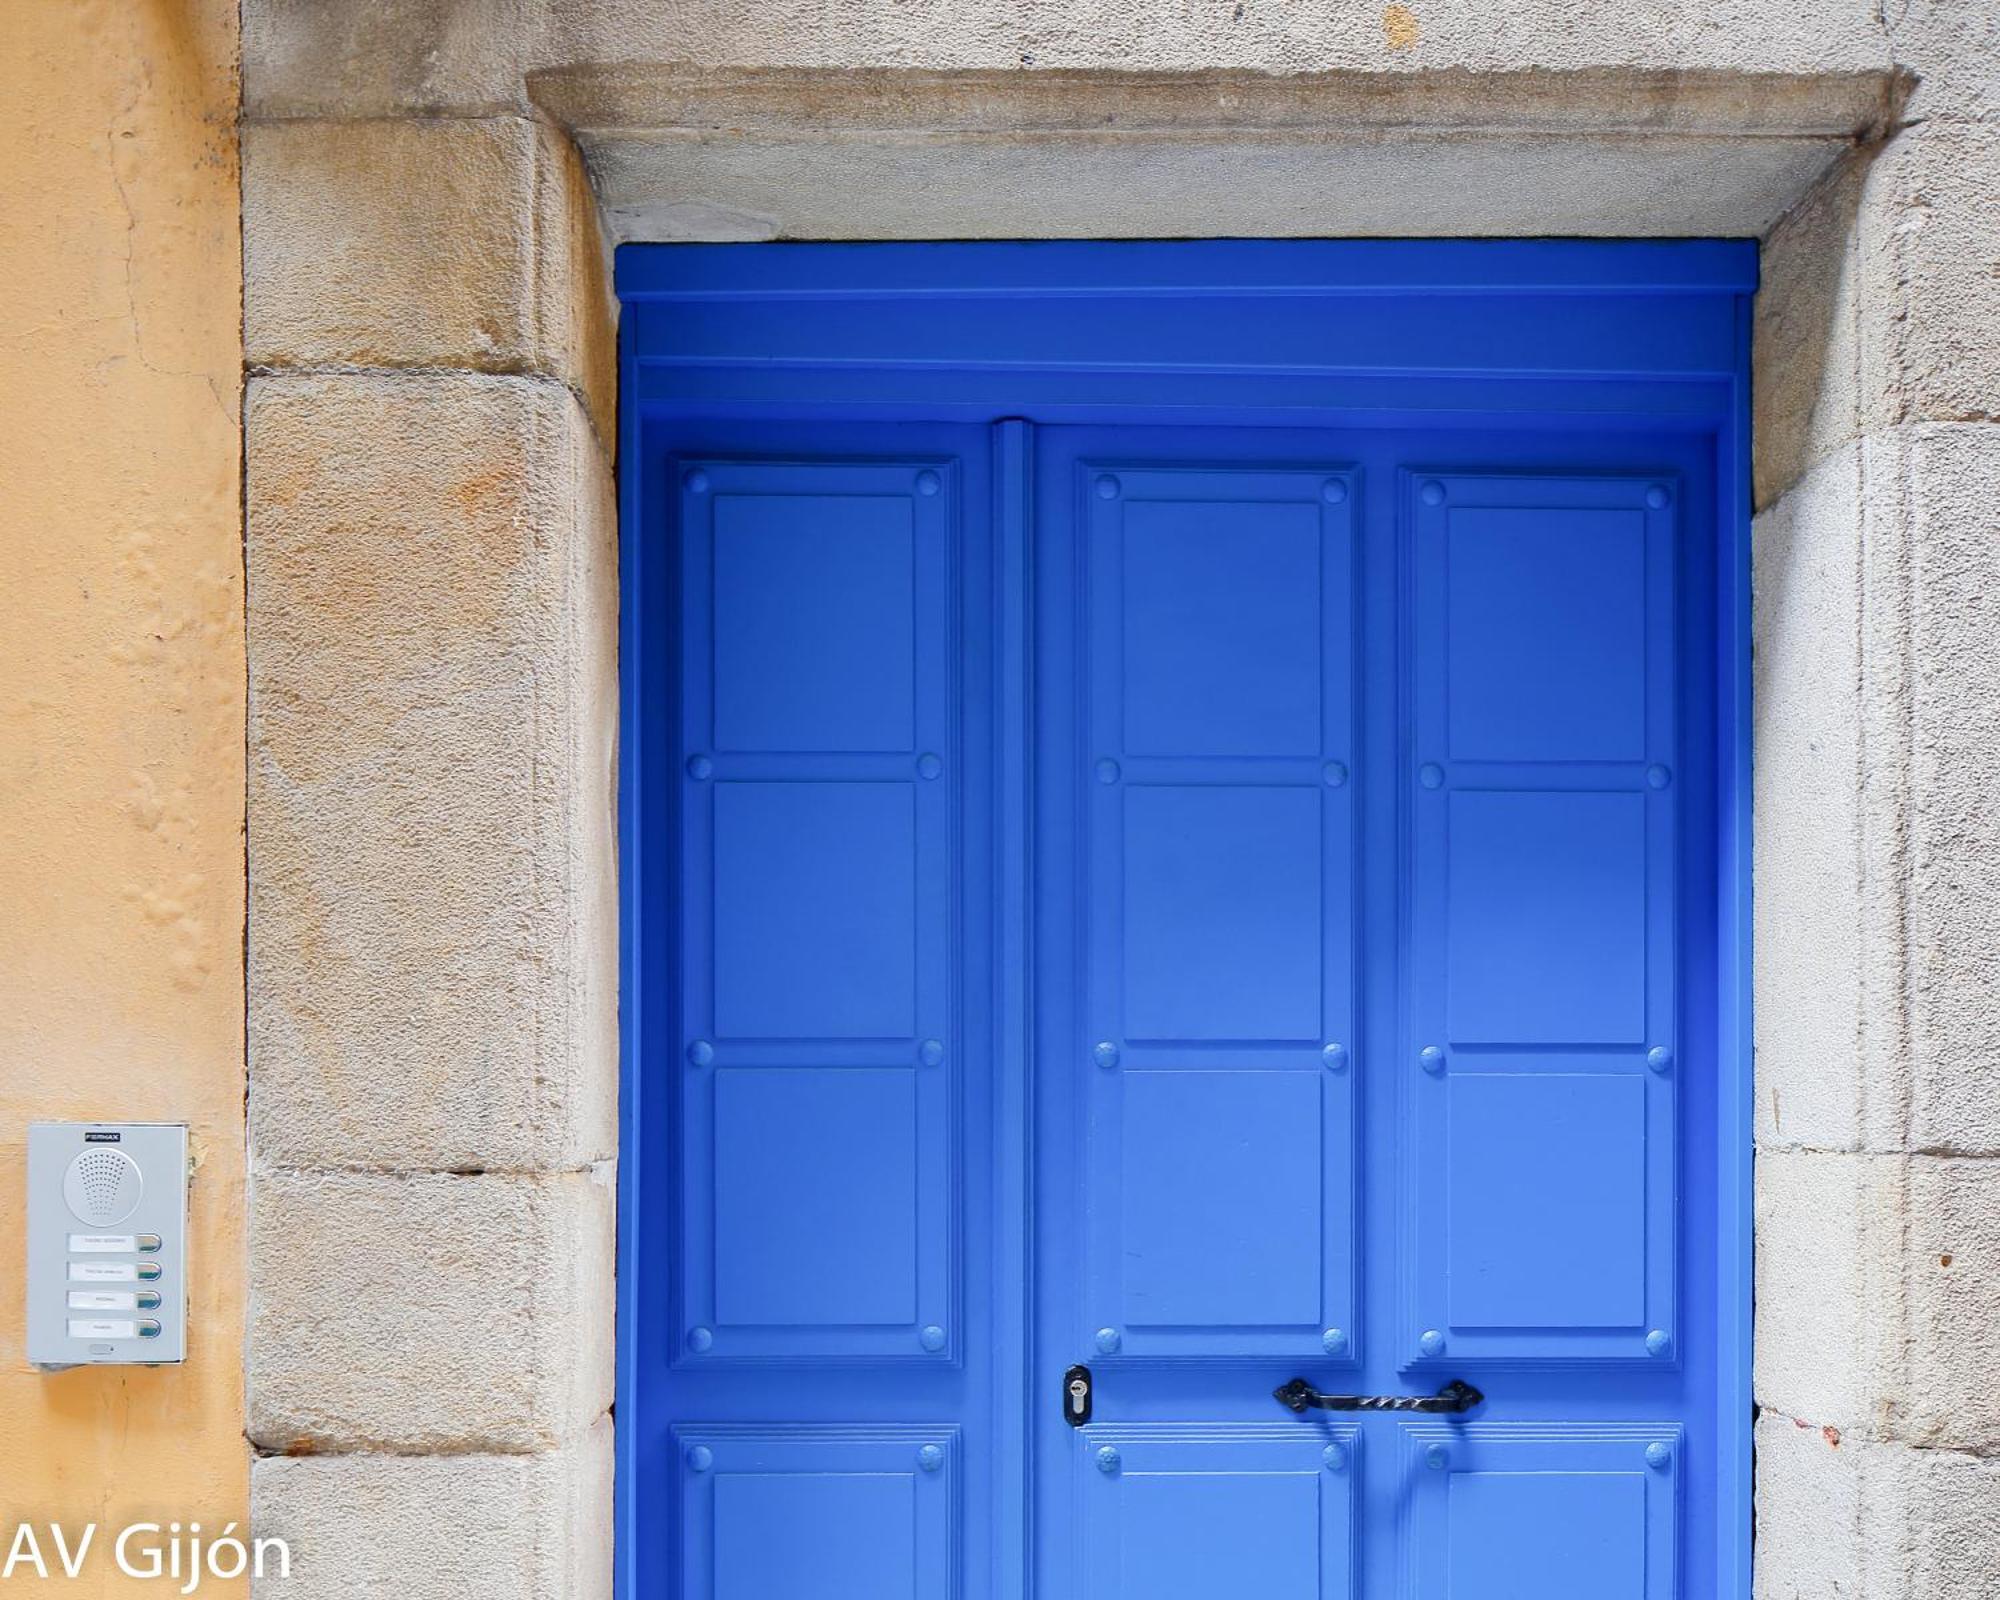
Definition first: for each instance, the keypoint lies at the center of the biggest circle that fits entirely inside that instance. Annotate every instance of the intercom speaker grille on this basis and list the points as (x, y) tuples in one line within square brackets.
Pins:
[(102, 1186)]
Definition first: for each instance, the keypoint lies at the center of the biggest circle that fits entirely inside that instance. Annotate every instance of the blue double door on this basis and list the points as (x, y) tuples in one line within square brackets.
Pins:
[(1151, 913)]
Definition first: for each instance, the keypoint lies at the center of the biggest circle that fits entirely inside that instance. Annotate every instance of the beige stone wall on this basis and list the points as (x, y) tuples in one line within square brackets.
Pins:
[(431, 546), (1878, 843), (121, 713)]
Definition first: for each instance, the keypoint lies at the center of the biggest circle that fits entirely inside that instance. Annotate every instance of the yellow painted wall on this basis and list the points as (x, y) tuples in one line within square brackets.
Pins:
[(121, 708)]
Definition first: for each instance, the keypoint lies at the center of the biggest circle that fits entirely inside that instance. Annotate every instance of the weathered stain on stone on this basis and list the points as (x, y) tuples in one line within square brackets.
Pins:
[(431, 960), (344, 1357), (729, 102), (468, 243), (682, 151), (1399, 28), (532, 1526)]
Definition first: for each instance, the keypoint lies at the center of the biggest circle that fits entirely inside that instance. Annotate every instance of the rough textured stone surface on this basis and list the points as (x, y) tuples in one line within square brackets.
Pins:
[(1880, 300), (812, 152), (1931, 277), (1805, 351), (1810, 1535), (1829, 1241), (467, 242), (1878, 918), (367, 57), (1137, 100), (1949, 1509), (1878, 709), (1751, 35), (432, 957), (586, 310), (1938, 482), (869, 120), (530, 1527), (1877, 1276), (1839, 1518), (1815, 980), (1946, 1397), (363, 58), (1953, 48), (435, 1313), (679, 186)]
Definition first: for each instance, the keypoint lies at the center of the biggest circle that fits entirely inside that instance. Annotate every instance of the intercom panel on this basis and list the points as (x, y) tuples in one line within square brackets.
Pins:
[(107, 1243)]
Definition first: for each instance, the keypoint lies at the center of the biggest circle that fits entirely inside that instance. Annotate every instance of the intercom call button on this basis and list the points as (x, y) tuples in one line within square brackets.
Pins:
[(102, 1328), (103, 1300), (102, 1272)]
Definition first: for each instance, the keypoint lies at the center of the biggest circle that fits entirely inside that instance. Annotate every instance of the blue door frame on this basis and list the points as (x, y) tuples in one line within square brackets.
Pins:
[(1023, 413)]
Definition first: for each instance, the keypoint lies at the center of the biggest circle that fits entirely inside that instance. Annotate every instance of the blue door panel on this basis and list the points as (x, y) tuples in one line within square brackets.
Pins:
[(1218, 903), (1177, 827), (1544, 926), (1218, 605), (1217, 931), (1401, 332), (816, 907), (1190, 1513), (1508, 1512), (815, 606), (1196, 1255), (818, 671), (1551, 1242), (814, 1513), (786, 1194)]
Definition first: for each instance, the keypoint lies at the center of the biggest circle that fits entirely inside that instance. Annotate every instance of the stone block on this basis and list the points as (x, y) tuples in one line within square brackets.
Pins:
[(454, 242), (428, 1314), (1750, 36), (1813, 1529), (1839, 1517), (1878, 729), (1829, 1243), (503, 1527), (1880, 302), (1840, 806), (1878, 1284), (1930, 277), (1950, 1506), (578, 307), (1813, 975), (1933, 488), (1806, 395), (369, 58), (432, 619), (687, 185), (1946, 1397)]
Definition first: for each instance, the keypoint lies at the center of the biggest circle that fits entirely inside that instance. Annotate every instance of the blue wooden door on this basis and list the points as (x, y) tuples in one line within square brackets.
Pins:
[(1180, 838)]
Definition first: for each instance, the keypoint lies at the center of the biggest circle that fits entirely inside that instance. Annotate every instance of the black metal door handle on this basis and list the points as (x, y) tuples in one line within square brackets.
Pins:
[(1301, 1397)]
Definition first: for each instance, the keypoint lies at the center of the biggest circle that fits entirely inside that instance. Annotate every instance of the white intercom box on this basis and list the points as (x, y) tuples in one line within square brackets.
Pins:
[(107, 1243)]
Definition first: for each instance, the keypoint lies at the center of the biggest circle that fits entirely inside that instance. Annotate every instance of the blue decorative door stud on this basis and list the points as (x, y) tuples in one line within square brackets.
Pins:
[(1185, 882)]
